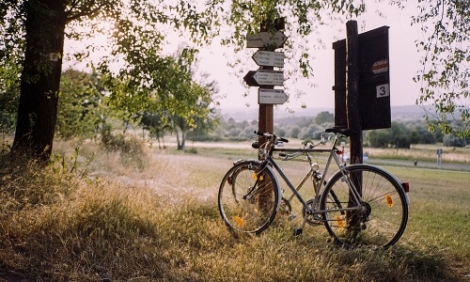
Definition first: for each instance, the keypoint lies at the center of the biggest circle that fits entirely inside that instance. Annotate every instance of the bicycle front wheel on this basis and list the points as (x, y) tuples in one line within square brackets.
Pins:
[(377, 220), (249, 199)]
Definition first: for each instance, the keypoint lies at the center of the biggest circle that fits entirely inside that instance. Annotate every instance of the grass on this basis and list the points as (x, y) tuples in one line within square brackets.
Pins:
[(152, 216)]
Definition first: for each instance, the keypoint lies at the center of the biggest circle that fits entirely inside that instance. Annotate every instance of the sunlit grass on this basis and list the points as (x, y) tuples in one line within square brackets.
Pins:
[(160, 222)]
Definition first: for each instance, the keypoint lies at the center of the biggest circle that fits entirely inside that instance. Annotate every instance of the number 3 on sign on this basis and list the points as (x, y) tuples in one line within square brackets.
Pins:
[(383, 90)]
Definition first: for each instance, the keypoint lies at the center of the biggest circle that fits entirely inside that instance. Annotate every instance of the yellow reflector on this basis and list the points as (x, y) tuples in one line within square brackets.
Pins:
[(256, 176), (340, 222), (389, 200), (239, 221)]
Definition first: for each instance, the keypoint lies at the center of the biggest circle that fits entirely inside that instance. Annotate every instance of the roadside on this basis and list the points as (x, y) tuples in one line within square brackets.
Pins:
[(444, 165), (421, 164)]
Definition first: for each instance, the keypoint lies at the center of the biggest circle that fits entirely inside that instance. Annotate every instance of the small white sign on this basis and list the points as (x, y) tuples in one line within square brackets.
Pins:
[(269, 77), (262, 39), (383, 90), (269, 59), (271, 96)]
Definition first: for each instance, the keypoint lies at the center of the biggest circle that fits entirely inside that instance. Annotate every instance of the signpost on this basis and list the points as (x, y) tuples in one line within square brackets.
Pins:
[(271, 96), (266, 77), (362, 84), (373, 79), (439, 159)]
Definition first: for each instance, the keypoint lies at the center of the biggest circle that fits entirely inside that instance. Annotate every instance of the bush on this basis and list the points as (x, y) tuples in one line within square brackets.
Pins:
[(294, 133), (131, 149), (312, 132), (454, 141)]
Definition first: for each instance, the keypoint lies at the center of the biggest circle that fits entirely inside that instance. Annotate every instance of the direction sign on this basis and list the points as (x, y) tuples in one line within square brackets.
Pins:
[(271, 96), (269, 59), (263, 39), (269, 77), (264, 77)]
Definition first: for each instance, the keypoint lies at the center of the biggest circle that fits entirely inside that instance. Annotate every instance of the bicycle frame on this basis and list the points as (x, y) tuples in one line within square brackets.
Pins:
[(313, 172), (333, 155)]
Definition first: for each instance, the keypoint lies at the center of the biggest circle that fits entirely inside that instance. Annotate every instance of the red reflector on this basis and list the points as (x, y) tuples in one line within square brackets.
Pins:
[(406, 186)]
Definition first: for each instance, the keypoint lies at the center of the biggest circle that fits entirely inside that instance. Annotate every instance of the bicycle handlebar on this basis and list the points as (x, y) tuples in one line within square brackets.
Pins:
[(271, 136)]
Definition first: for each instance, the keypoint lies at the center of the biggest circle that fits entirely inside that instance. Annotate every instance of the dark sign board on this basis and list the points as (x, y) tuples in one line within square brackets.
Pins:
[(374, 80)]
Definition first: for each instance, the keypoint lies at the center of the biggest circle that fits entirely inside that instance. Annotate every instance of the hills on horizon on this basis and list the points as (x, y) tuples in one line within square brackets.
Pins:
[(398, 113)]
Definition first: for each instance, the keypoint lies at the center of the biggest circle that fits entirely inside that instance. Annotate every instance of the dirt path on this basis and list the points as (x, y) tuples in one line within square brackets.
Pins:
[(175, 177)]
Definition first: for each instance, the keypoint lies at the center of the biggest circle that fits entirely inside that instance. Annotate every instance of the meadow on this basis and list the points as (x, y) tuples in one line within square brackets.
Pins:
[(137, 213)]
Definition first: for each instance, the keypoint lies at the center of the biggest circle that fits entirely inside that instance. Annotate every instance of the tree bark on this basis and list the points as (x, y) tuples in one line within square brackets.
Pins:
[(181, 143), (40, 79)]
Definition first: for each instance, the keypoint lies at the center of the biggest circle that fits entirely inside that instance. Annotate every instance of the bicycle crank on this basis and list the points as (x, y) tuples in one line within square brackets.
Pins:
[(312, 219)]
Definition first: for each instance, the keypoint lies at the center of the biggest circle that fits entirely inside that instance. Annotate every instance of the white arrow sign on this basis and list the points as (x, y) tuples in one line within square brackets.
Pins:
[(269, 77), (263, 39), (269, 59), (271, 96)]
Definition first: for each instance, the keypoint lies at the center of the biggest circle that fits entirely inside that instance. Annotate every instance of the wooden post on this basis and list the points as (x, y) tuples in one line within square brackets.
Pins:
[(352, 94), (266, 112), (266, 124), (354, 116)]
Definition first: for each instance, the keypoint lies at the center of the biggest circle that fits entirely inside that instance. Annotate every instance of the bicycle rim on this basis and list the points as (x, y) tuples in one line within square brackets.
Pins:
[(248, 201), (378, 222)]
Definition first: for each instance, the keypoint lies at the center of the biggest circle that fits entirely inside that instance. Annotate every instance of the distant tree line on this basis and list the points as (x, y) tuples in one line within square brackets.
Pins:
[(401, 134), (84, 113)]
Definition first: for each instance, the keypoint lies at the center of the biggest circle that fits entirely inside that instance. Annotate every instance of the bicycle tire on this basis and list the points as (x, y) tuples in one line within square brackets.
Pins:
[(383, 216), (248, 200)]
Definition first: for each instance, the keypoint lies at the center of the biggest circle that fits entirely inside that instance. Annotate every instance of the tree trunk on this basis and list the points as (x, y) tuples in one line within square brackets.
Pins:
[(183, 140), (40, 79), (180, 141)]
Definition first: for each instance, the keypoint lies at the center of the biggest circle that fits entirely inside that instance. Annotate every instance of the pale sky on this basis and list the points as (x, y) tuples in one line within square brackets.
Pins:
[(404, 64)]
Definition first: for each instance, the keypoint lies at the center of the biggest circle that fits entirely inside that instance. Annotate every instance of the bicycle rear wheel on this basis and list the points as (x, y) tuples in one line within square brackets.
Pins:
[(248, 200), (378, 221)]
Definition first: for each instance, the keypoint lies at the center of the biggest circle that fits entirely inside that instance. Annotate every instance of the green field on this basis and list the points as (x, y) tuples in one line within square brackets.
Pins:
[(153, 216)]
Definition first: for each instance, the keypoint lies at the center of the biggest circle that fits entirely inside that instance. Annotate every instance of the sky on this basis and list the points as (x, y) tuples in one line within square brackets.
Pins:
[(404, 64)]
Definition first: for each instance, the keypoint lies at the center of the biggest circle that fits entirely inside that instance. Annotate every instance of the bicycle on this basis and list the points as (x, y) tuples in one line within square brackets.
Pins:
[(313, 173), (359, 205)]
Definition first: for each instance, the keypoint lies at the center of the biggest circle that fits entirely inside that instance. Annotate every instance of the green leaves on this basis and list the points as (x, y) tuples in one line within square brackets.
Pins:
[(80, 108), (446, 71)]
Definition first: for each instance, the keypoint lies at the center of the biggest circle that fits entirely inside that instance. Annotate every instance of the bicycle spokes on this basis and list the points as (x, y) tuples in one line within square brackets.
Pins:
[(377, 220)]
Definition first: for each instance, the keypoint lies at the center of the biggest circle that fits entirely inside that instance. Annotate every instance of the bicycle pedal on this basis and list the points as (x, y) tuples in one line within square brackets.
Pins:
[(291, 217), (298, 231)]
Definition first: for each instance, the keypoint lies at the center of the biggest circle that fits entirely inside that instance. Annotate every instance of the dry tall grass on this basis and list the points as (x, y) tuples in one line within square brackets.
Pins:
[(97, 215), (423, 153)]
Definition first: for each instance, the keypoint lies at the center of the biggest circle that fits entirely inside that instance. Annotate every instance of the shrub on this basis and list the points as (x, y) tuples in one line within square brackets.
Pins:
[(454, 141), (130, 148)]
